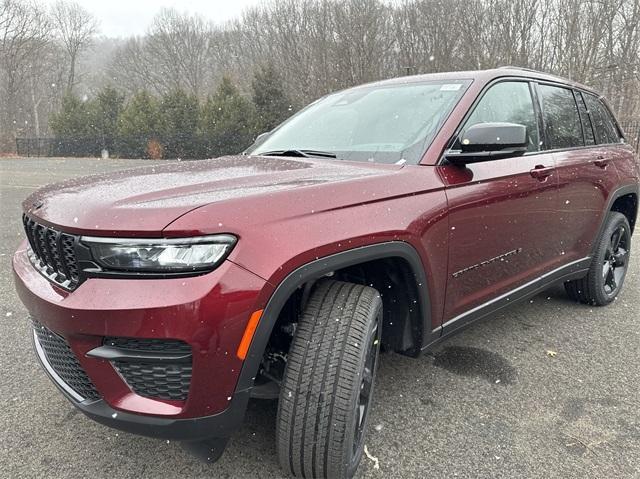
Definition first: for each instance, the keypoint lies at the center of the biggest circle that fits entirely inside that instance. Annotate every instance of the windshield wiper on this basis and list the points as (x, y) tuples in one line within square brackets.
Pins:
[(300, 153)]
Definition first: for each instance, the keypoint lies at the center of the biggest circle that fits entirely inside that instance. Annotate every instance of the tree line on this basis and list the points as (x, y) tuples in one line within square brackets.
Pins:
[(176, 124), (315, 46)]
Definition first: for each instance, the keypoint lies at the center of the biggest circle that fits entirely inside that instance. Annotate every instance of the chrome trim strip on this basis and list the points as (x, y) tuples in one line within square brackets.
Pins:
[(45, 363), (504, 296), (210, 239), (67, 284)]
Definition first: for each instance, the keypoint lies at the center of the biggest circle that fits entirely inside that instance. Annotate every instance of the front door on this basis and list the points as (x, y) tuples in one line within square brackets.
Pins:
[(501, 212)]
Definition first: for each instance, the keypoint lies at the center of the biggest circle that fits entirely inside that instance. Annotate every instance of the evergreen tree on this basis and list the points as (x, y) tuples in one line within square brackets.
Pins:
[(138, 126), (179, 114), (73, 120), (141, 117), (272, 104), (228, 120), (106, 110)]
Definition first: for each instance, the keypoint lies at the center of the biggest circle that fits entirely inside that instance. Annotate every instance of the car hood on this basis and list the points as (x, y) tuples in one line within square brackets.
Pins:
[(143, 201)]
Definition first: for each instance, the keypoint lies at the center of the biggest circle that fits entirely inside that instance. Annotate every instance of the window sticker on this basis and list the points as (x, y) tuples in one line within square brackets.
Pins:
[(451, 87)]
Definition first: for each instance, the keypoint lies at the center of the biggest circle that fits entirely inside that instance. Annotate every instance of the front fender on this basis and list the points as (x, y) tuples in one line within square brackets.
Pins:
[(318, 268)]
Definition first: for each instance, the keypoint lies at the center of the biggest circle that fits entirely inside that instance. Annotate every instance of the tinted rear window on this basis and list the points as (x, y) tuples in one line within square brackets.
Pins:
[(561, 119), (603, 123)]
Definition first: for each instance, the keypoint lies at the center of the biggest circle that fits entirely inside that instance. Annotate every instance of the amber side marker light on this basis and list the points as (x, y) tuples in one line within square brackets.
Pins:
[(248, 334)]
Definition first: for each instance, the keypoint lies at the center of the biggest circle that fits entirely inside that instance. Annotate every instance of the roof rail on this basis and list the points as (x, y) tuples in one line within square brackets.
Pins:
[(512, 67)]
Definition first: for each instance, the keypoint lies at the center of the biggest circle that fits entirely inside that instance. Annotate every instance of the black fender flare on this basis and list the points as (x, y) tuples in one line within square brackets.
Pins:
[(318, 268), (613, 197)]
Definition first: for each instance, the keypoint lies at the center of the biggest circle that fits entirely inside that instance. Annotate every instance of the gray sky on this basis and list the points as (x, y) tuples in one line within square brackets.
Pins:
[(121, 18)]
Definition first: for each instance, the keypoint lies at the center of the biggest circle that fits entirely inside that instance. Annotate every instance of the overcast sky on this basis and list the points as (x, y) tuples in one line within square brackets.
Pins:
[(122, 18)]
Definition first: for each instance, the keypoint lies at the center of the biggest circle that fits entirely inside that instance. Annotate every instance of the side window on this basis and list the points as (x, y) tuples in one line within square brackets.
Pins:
[(508, 102), (589, 137), (602, 123), (561, 119)]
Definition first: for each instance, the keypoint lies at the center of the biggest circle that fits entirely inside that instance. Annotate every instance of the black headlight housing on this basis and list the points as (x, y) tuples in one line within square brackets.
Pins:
[(158, 256)]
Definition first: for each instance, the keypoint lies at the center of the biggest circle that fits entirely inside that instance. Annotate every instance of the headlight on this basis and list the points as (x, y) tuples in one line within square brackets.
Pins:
[(175, 255)]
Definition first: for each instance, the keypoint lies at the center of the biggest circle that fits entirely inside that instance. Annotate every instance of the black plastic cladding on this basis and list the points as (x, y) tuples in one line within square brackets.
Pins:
[(316, 269)]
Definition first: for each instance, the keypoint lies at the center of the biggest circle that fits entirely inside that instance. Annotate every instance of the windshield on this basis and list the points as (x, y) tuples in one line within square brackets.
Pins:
[(383, 123)]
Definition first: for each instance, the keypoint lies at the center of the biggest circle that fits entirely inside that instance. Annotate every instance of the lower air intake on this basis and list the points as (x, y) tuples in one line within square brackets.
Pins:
[(63, 361)]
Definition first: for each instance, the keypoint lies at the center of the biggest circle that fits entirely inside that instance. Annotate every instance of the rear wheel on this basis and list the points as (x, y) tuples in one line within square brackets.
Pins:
[(329, 380), (609, 267)]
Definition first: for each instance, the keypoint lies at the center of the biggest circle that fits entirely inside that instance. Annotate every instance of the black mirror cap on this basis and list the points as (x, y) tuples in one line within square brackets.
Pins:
[(490, 141), (493, 137)]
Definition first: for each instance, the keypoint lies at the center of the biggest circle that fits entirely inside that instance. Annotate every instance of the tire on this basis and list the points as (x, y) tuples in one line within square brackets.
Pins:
[(328, 381), (609, 266)]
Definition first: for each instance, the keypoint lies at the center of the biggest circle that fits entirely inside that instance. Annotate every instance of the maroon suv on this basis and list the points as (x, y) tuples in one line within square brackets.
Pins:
[(393, 213)]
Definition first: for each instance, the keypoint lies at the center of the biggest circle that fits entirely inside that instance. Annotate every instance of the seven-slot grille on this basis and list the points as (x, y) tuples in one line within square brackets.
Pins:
[(64, 362), (52, 253)]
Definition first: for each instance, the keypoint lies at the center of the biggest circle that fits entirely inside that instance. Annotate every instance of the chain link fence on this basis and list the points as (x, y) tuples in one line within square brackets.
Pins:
[(632, 132), (185, 146)]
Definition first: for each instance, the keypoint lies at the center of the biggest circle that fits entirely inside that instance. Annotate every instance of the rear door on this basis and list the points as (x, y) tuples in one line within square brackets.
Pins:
[(501, 212), (577, 134)]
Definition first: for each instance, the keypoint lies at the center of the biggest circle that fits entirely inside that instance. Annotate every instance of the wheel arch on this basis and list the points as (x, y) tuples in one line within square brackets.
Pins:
[(617, 200), (627, 204), (312, 271)]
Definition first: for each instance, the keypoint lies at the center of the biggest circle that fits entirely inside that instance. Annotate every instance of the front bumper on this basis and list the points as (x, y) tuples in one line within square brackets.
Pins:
[(219, 425), (207, 312)]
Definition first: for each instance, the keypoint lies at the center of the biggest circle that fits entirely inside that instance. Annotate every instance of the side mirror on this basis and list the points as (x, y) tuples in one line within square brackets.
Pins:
[(490, 141)]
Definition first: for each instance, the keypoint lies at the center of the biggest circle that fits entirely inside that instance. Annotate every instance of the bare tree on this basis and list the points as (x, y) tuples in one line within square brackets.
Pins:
[(23, 29), (317, 46), (75, 27), (174, 54), (179, 44), (44, 85)]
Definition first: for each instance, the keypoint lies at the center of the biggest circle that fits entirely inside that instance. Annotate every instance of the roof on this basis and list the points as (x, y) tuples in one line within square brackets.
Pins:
[(485, 76)]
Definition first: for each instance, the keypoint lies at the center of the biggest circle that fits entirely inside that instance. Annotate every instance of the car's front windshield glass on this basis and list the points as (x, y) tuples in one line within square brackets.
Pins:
[(380, 123)]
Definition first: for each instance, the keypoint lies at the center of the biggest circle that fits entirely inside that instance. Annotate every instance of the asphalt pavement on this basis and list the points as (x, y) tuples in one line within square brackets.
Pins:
[(545, 389)]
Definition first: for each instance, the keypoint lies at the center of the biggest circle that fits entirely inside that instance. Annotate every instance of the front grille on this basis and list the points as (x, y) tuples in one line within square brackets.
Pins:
[(156, 380), (64, 362), (52, 253)]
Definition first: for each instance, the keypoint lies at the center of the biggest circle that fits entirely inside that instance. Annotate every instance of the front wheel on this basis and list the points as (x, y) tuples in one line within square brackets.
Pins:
[(609, 266), (328, 381)]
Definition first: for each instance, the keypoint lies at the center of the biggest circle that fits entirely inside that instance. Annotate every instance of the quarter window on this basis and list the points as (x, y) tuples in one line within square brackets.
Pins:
[(508, 102), (589, 137), (602, 122), (561, 119)]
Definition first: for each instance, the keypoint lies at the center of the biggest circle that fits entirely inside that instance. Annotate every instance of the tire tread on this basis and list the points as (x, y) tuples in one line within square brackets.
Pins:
[(322, 365)]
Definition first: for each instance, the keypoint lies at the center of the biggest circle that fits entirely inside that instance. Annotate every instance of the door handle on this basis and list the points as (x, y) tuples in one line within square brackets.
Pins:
[(541, 172), (602, 162)]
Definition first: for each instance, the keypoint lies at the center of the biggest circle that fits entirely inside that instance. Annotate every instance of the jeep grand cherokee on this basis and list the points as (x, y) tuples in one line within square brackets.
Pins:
[(393, 213)]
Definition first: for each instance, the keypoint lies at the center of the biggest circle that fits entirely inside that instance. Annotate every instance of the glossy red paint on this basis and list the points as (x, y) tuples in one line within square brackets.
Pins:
[(288, 212), (584, 189), (301, 225), (208, 312), (498, 208)]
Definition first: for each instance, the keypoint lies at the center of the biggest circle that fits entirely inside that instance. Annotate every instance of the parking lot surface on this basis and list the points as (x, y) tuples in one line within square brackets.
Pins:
[(493, 401)]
